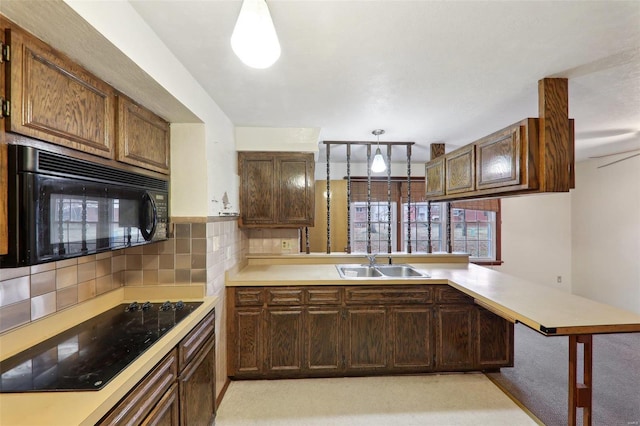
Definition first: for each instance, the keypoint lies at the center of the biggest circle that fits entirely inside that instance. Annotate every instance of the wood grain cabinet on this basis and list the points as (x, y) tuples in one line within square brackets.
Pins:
[(56, 100), (142, 136), (316, 331), (277, 189), (531, 156), (460, 170), (4, 225), (434, 177), (196, 377)]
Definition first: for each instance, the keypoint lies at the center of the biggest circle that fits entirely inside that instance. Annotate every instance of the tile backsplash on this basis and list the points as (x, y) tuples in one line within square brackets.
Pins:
[(30, 293), (274, 241)]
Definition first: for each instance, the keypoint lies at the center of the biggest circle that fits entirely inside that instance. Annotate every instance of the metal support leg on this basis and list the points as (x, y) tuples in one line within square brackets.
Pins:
[(580, 394)]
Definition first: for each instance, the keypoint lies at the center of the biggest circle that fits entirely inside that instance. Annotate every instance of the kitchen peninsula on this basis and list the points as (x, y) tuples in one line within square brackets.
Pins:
[(549, 311)]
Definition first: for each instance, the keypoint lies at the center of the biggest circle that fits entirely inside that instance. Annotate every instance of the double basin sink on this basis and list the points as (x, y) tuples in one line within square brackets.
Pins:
[(351, 271)]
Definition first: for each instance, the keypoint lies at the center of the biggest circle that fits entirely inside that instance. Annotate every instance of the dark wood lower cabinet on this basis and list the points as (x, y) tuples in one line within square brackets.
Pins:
[(454, 337), (323, 342), (318, 331), (366, 338), (284, 340), (412, 340), (196, 383)]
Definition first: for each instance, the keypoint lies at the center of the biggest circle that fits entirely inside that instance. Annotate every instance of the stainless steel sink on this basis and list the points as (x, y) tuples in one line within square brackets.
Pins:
[(358, 271), (353, 271), (404, 271)]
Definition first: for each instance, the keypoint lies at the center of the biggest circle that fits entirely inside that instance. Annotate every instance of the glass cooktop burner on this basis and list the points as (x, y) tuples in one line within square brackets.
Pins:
[(89, 355)]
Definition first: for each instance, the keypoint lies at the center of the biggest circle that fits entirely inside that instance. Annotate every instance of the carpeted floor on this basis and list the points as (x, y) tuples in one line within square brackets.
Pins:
[(539, 378), (450, 399)]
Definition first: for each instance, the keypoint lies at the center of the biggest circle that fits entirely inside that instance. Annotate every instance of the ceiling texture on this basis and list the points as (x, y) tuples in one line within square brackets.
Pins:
[(424, 71)]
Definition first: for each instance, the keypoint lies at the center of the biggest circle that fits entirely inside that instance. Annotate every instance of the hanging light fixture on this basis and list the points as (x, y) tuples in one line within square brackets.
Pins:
[(254, 39), (378, 164)]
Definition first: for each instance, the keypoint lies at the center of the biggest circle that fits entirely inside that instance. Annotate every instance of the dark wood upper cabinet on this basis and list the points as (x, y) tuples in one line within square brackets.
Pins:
[(498, 158), (460, 170), (143, 137), (531, 156), (277, 189), (434, 175), (56, 100)]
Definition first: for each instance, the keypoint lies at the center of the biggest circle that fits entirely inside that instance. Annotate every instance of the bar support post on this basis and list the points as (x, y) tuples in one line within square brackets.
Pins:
[(580, 394)]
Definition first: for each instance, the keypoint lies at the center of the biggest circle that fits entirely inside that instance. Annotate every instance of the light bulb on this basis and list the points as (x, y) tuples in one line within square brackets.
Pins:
[(378, 164), (254, 39)]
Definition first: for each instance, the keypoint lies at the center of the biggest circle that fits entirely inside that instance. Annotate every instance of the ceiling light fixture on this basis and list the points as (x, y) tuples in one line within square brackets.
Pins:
[(254, 39), (378, 164)]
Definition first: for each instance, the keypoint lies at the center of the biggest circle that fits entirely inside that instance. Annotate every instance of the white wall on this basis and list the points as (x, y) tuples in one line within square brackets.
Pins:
[(188, 170), (536, 238), (606, 233)]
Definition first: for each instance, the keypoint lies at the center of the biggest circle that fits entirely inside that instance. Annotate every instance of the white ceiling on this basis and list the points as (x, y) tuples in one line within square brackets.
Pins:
[(425, 71)]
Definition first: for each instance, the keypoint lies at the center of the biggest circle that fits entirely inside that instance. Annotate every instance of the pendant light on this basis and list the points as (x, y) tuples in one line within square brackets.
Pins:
[(378, 164), (254, 39)]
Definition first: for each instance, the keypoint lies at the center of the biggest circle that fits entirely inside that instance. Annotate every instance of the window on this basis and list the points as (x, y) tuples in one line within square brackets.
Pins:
[(473, 231), (378, 226)]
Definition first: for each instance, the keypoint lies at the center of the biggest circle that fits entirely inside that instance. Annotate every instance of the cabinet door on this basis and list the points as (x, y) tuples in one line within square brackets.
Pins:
[(296, 189), (197, 388), (323, 348), (454, 337), (498, 159), (366, 336), (56, 100), (248, 341), (167, 411), (143, 137), (257, 189), (434, 176), (284, 340), (4, 225), (495, 340), (412, 338), (460, 170)]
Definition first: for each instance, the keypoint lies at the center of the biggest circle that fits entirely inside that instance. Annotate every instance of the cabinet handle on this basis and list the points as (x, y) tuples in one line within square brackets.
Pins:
[(6, 108), (5, 53)]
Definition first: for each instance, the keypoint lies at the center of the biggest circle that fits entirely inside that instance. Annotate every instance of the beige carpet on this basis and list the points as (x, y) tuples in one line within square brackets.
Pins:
[(448, 399)]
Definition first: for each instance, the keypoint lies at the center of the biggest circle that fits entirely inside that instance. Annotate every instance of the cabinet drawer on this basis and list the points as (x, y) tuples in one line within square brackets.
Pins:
[(249, 297), (138, 403), (189, 346), (324, 296), (389, 295), (446, 294), (284, 296)]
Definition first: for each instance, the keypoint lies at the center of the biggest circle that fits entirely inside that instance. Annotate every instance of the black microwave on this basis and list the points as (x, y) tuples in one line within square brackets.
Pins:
[(61, 207)]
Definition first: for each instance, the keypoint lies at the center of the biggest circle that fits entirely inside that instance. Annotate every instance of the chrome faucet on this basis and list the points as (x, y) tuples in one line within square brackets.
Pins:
[(372, 259)]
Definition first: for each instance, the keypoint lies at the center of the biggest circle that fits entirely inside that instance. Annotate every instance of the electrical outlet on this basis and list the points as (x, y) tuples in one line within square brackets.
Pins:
[(559, 279), (286, 244)]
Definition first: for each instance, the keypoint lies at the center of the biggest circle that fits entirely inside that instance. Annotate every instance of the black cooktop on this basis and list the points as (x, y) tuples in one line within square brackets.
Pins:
[(89, 355)]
